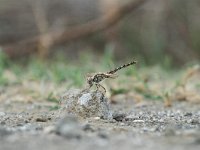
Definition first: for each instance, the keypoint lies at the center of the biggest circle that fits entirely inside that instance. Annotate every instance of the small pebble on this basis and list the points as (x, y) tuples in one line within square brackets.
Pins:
[(194, 121), (103, 135), (119, 116), (188, 114), (41, 119), (69, 127), (4, 132), (88, 127), (138, 121), (49, 129), (96, 118), (2, 114)]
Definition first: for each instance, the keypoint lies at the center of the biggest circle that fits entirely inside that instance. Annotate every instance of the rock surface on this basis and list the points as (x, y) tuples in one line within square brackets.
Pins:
[(86, 104)]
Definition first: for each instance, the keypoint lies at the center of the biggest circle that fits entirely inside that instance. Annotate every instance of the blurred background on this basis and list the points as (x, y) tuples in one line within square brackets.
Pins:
[(154, 31)]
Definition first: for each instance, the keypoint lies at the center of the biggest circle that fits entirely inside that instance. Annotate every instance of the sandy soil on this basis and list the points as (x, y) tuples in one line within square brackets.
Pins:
[(145, 125)]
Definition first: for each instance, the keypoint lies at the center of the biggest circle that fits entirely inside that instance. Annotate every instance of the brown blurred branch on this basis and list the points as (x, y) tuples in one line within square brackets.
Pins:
[(42, 24), (63, 36)]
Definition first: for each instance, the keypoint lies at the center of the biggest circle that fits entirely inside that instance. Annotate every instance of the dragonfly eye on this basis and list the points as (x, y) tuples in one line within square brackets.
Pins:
[(100, 78), (95, 79)]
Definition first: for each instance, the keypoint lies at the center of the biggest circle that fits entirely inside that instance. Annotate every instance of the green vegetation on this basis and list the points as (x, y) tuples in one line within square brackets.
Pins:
[(44, 80)]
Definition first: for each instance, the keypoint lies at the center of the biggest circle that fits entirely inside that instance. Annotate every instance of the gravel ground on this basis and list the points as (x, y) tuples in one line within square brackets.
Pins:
[(148, 125)]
